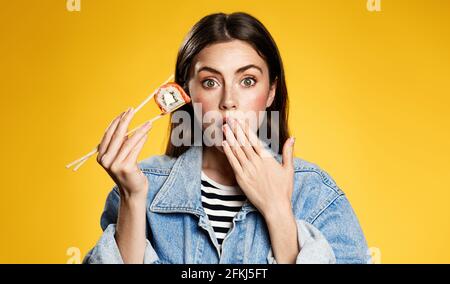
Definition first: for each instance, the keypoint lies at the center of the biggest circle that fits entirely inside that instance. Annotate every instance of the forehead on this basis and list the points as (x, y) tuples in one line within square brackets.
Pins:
[(228, 56)]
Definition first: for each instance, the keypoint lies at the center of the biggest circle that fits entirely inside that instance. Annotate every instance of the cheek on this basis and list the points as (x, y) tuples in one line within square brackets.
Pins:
[(207, 103), (256, 102), (199, 96), (253, 105)]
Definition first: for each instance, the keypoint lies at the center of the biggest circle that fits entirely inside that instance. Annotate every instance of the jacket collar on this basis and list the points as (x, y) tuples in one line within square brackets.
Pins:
[(181, 191)]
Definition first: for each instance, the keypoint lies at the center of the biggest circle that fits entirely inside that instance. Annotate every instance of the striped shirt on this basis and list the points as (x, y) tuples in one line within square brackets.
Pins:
[(221, 204)]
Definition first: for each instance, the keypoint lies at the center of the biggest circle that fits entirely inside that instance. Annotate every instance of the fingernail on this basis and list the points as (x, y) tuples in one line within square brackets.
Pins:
[(124, 113), (226, 127), (230, 121), (292, 140)]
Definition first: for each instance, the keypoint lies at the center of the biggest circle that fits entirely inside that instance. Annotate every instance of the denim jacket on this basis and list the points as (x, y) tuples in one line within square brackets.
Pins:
[(178, 229)]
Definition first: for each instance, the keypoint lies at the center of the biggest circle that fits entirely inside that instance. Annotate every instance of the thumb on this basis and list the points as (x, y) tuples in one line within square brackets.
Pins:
[(288, 152)]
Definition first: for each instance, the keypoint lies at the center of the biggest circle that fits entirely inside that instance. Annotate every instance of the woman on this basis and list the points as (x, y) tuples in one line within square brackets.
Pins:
[(230, 198)]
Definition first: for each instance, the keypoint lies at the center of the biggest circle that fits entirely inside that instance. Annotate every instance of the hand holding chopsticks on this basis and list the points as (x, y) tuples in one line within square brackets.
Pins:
[(79, 162), (169, 98)]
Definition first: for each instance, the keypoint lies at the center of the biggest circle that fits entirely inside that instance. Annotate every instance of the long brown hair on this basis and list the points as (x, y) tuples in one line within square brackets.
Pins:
[(220, 27)]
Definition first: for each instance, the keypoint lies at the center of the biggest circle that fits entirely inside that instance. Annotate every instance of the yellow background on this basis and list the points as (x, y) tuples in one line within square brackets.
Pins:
[(369, 98)]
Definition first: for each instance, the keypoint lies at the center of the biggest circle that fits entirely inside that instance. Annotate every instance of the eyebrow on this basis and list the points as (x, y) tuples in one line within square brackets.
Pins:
[(240, 70)]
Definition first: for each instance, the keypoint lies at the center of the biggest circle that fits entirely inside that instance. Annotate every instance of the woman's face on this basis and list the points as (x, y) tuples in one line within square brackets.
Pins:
[(230, 79)]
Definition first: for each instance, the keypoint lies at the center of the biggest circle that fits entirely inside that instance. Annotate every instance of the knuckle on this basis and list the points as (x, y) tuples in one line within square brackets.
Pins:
[(125, 143), (115, 167), (127, 169), (115, 135), (104, 160)]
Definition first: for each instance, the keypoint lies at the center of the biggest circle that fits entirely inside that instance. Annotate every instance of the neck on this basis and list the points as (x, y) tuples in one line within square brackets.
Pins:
[(215, 160)]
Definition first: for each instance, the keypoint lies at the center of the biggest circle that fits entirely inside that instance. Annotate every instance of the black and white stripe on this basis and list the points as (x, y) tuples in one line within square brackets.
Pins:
[(221, 204)]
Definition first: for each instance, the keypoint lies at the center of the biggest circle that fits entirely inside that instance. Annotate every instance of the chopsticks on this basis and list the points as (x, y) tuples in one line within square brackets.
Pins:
[(79, 162)]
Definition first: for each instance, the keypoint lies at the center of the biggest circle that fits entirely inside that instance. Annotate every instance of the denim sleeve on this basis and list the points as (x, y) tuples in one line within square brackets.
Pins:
[(106, 250), (339, 225), (333, 236), (314, 248)]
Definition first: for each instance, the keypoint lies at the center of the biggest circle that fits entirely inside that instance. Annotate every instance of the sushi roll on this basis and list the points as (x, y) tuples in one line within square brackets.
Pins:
[(170, 97)]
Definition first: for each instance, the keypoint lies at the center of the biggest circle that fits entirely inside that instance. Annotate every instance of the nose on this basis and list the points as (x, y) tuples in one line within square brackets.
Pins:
[(228, 101)]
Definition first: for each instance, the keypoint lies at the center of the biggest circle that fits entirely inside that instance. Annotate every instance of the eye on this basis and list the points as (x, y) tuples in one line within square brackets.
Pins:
[(209, 83), (248, 82)]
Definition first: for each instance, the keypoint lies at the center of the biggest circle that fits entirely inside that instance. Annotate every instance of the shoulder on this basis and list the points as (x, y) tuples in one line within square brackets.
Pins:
[(313, 172), (319, 200), (314, 189)]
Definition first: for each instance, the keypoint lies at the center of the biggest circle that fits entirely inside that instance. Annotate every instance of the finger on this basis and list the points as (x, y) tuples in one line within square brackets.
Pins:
[(131, 142), (242, 139), (234, 145), (134, 153), (119, 135), (231, 157), (108, 134), (288, 150), (253, 139)]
